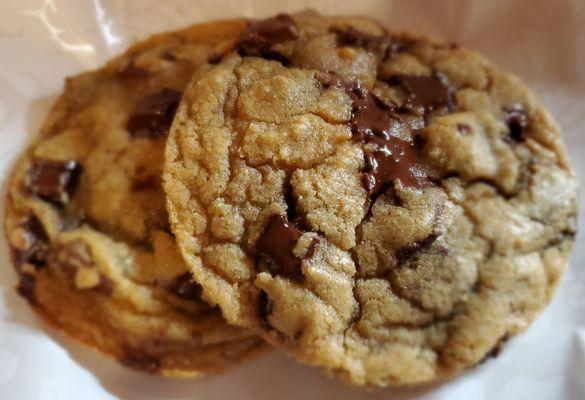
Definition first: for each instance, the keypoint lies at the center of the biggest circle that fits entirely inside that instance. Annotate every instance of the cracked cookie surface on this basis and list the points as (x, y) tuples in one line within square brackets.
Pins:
[(86, 219), (387, 207)]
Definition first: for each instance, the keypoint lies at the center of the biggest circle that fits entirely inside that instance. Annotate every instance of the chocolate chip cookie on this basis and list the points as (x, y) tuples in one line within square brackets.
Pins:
[(86, 219), (387, 207)]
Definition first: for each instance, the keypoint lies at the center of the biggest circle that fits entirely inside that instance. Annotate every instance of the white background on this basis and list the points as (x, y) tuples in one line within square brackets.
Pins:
[(42, 41)]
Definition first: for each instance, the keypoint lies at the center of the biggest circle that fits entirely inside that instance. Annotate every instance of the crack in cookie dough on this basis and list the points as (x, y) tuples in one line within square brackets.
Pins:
[(394, 206)]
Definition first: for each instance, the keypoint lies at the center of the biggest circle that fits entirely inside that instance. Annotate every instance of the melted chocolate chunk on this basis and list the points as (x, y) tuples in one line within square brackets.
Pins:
[(278, 241), (153, 115), (354, 37), (265, 307), (140, 359), (374, 123), (371, 117), (517, 121), (428, 92), (185, 287), (37, 240), (54, 181), (395, 159), (260, 36)]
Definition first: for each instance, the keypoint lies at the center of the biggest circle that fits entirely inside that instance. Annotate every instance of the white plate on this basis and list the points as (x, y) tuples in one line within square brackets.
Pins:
[(43, 41)]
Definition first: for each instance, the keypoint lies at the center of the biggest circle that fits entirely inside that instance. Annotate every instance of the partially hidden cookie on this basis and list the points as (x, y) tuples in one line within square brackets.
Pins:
[(86, 219), (387, 207)]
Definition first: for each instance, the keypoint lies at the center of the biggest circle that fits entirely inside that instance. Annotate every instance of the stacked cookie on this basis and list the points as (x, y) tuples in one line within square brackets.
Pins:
[(386, 207)]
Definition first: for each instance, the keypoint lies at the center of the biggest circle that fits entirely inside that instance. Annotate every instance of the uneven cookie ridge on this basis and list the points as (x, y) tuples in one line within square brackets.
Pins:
[(387, 207), (86, 220)]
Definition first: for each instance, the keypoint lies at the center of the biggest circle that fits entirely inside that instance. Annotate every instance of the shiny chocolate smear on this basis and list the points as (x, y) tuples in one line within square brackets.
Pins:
[(153, 115), (388, 158), (371, 117), (394, 159), (54, 181), (278, 241)]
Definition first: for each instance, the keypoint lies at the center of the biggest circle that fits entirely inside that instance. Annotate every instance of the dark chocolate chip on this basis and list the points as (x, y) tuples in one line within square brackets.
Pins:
[(265, 308), (139, 359), (148, 182), (463, 129), (26, 286), (444, 251), (496, 350), (168, 55), (406, 253), (54, 181), (153, 115), (517, 120), (419, 139), (37, 244), (260, 36), (35, 253), (185, 287), (374, 123), (428, 92), (354, 37), (397, 46), (215, 58), (278, 241)]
